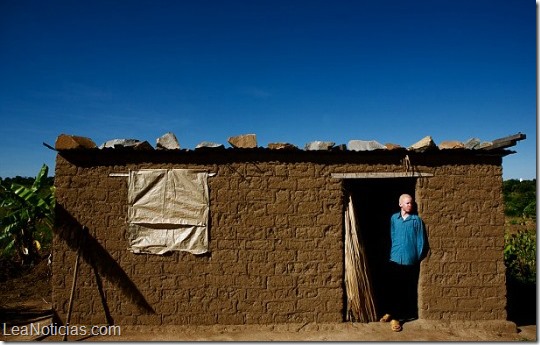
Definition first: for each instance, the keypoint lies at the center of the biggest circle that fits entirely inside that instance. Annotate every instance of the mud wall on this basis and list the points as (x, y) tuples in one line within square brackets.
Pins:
[(276, 239), (464, 276)]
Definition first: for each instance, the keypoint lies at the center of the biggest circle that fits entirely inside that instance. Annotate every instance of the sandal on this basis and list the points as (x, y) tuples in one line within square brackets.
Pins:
[(386, 318), (396, 326)]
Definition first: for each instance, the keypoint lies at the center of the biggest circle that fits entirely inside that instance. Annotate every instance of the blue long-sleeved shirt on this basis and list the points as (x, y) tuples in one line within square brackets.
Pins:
[(407, 236)]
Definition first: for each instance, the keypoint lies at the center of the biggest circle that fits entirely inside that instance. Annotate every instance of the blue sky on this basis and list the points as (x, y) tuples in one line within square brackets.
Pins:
[(287, 70)]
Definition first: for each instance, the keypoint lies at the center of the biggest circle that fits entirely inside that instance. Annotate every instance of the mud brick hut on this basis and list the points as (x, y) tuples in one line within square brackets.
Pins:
[(253, 235)]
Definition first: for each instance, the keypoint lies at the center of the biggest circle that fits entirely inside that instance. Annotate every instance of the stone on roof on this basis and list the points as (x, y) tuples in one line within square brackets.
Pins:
[(209, 144), (423, 145), (451, 144), (142, 146), (319, 146), (134, 144), (168, 141), (391, 146), (365, 145), (243, 141), (282, 146), (472, 143), (69, 142)]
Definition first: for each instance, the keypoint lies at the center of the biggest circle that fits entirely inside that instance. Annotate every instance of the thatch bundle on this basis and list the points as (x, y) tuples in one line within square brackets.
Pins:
[(360, 304)]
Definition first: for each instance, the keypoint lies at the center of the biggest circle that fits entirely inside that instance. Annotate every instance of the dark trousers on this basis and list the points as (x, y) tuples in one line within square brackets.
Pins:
[(402, 291)]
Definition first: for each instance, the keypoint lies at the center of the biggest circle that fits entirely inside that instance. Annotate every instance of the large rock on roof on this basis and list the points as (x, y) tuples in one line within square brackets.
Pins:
[(167, 141), (246, 141), (126, 143), (423, 145), (365, 145), (69, 142)]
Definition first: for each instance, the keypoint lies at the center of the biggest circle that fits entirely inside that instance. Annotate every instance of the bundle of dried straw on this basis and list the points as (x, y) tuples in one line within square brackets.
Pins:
[(360, 304)]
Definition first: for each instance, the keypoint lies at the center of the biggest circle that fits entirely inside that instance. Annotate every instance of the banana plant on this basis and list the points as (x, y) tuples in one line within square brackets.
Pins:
[(24, 211)]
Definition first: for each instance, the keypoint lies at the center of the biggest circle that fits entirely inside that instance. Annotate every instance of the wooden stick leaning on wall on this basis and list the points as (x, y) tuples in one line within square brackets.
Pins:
[(75, 271)]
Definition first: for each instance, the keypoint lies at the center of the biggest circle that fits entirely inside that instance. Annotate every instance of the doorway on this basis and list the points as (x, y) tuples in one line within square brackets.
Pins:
[(375, 200)]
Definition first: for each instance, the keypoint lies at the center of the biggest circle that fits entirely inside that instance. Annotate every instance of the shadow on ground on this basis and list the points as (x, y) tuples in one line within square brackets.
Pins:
[(24, 314)]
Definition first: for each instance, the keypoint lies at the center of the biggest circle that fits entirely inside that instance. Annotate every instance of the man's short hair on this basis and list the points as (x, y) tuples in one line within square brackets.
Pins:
[(403, 196)]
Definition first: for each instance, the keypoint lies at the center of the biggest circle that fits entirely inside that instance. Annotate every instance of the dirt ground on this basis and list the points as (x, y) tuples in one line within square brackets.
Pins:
[(419, 330), (26, 299)]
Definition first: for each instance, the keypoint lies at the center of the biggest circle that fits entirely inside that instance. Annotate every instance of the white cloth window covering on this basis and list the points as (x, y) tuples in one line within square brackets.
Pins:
[(168, 210)]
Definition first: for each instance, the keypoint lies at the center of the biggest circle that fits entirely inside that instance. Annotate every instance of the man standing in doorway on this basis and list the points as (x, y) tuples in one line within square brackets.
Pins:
[(407, 238)]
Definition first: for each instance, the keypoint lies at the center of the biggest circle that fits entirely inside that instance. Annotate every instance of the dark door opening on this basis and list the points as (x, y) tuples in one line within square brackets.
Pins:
[(375, 200)]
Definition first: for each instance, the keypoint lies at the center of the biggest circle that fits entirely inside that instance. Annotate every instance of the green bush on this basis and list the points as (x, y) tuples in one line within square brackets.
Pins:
[(520, 256), (519, 198), (26, 217), (530, 210)]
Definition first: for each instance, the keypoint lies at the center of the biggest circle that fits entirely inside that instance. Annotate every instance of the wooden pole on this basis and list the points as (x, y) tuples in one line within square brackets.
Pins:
[(76, 269)]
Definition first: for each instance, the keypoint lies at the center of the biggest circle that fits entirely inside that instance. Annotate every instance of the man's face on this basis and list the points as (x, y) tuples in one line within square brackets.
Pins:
[(406, 204)]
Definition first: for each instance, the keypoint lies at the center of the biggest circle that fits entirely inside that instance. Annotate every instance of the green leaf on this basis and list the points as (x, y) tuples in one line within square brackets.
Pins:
[(40, 178)]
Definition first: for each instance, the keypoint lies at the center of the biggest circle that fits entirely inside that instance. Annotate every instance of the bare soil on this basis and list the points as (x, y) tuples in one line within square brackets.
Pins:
[(25, 298)]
